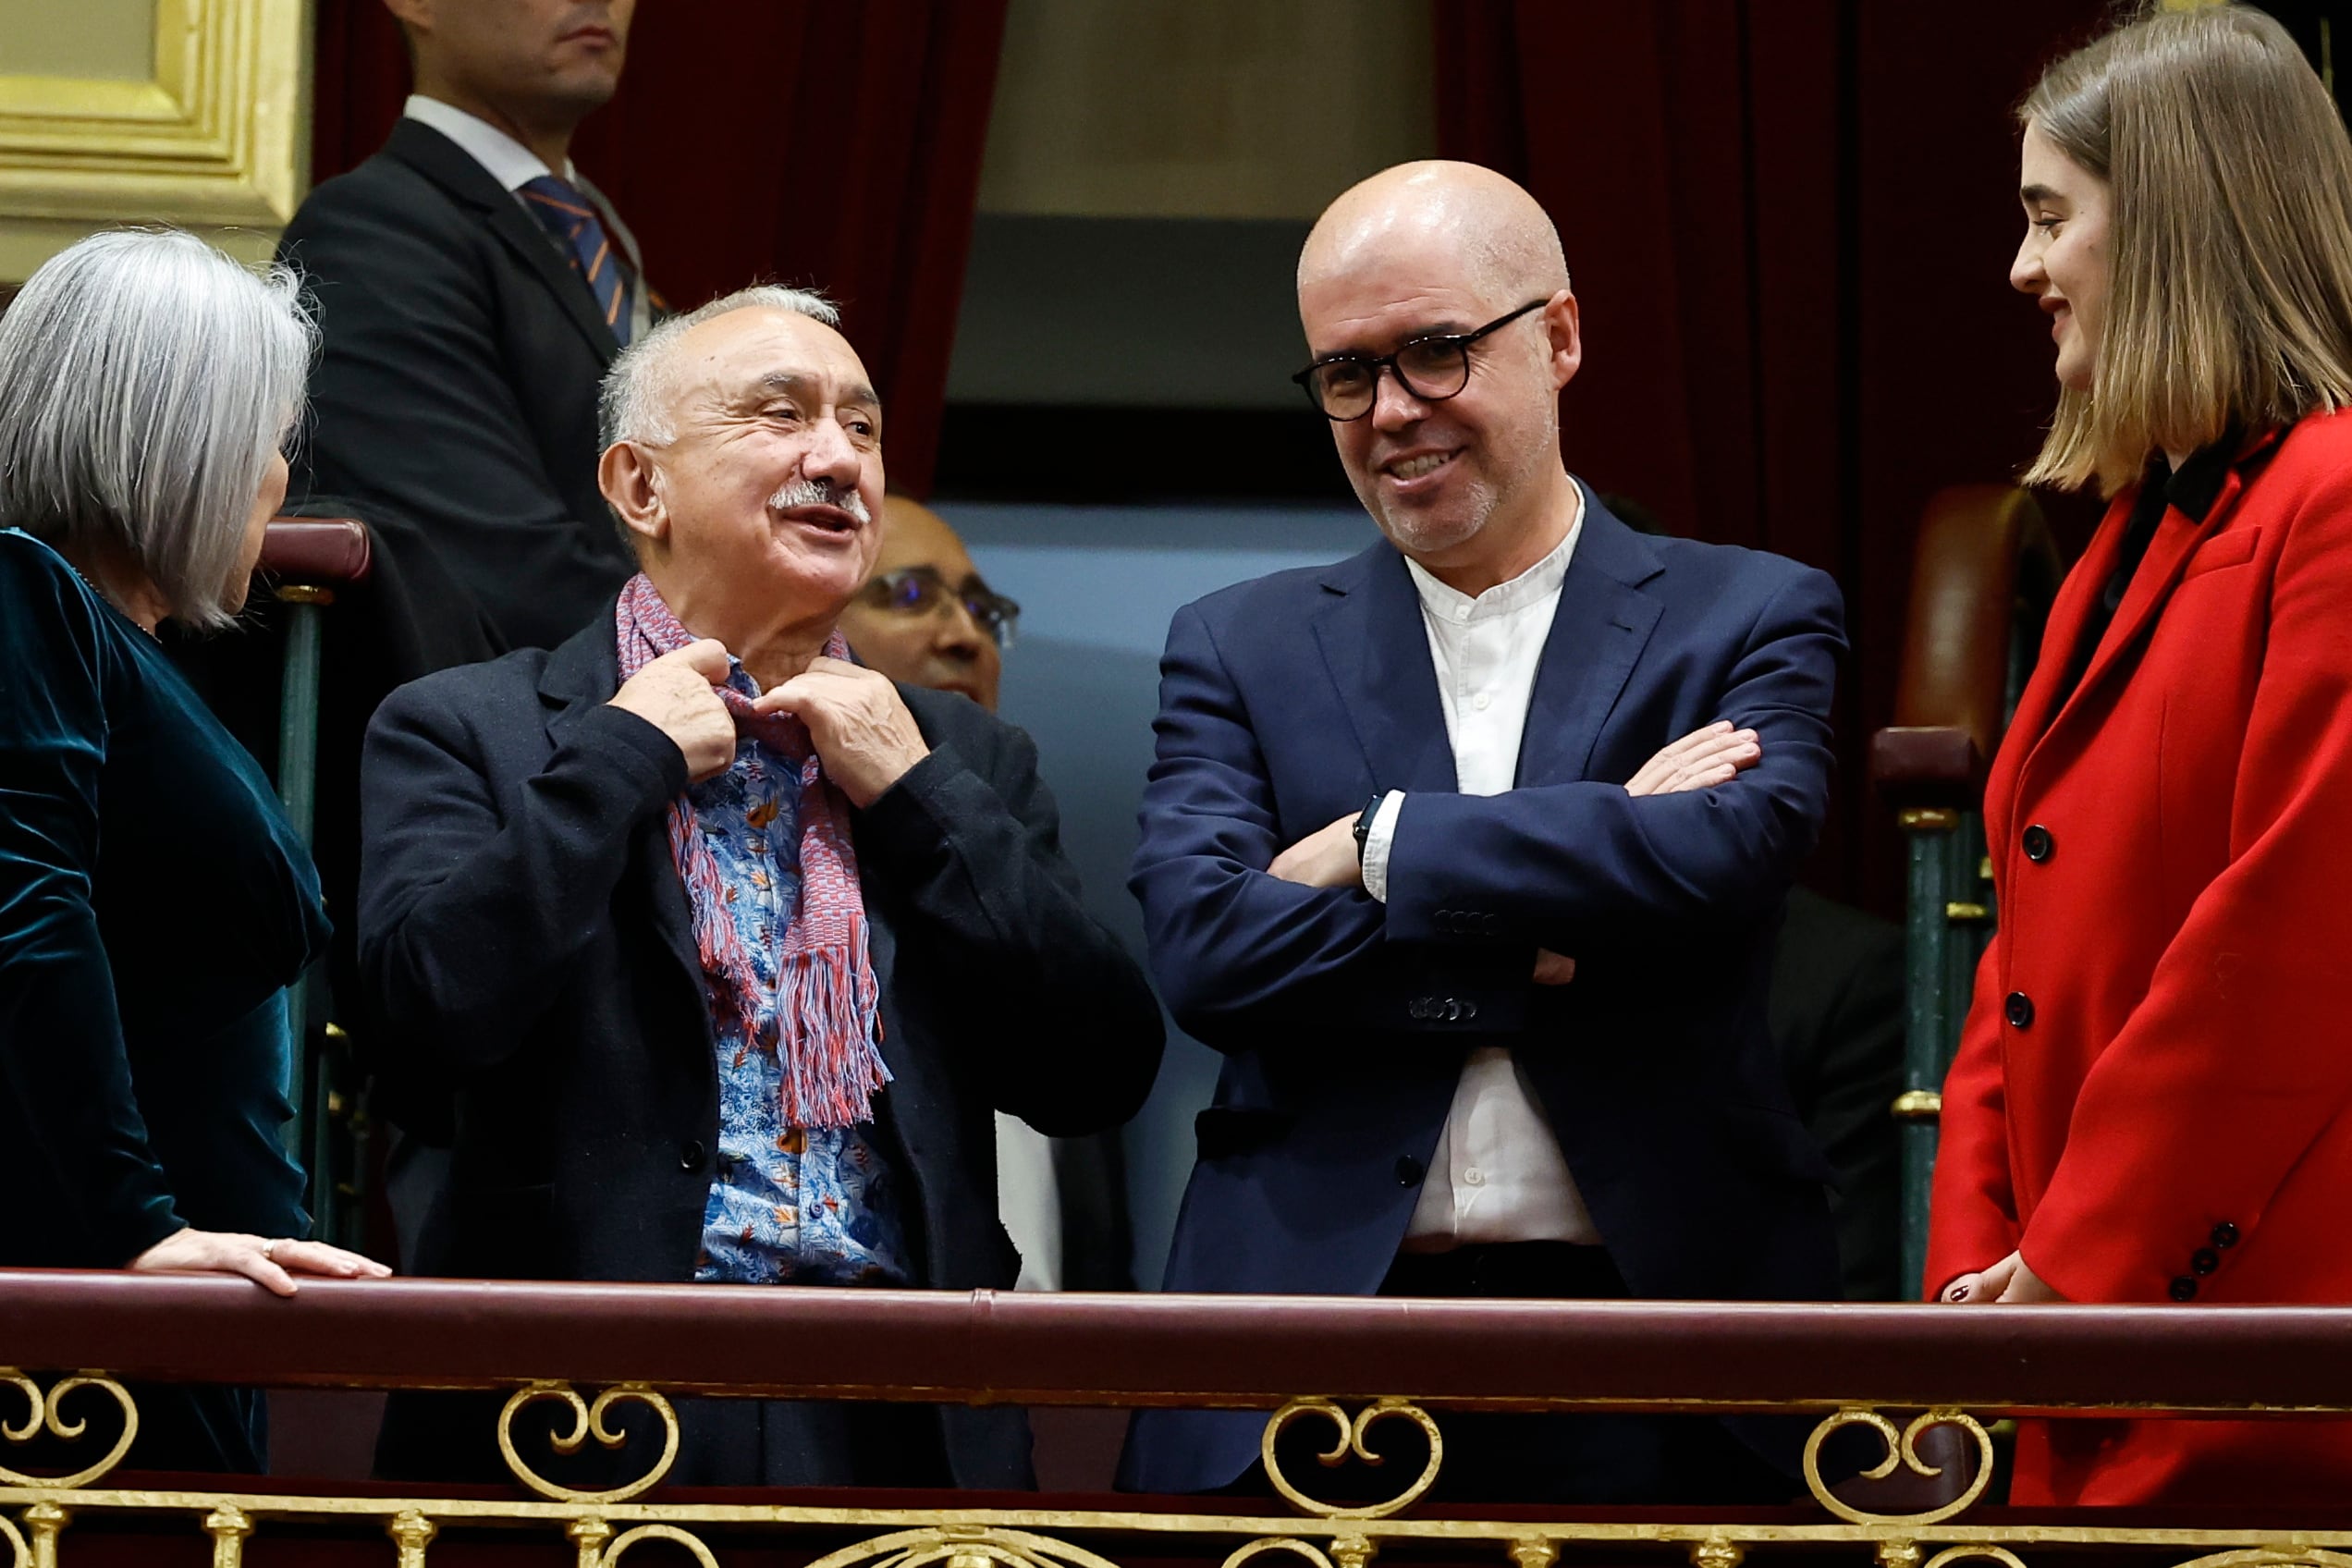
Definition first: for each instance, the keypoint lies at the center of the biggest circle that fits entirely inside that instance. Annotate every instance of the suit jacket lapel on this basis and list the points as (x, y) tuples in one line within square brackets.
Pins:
[(581, 674), (454, 169), (1597, 633), (1378, 652), (527, 239)]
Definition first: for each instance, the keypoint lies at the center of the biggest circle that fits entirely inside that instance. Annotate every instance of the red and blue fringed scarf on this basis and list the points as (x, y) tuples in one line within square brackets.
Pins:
[(826, 1000)]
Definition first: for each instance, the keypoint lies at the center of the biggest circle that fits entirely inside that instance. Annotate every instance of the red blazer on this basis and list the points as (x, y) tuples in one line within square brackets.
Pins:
[(2149, 1094)]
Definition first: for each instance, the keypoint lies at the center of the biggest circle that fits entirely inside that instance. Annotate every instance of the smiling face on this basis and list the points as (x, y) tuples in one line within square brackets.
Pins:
[(1457, 483), (2063, 261), (764, 510)]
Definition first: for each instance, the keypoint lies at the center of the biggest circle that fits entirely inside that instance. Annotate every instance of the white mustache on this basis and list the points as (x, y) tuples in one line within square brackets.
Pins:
[(820, 493)]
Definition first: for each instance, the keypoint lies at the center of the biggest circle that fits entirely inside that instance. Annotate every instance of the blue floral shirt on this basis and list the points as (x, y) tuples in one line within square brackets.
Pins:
[(809, 1206)]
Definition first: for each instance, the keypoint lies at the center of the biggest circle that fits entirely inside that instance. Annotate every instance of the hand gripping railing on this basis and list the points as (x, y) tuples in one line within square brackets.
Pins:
[(305, 560), (1981, 581), (1369, 1368)]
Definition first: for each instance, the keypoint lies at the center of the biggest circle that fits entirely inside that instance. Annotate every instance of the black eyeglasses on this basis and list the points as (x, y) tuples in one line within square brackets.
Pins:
[(1344, 386), (918, 590)]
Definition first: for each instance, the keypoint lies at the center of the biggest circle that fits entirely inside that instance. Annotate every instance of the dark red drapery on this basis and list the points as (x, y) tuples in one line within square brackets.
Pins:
[(788, 141), (1790, 224)]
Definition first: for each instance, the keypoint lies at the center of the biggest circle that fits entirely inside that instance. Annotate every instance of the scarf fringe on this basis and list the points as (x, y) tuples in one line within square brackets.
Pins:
[(833, 1011), (826, 1000)]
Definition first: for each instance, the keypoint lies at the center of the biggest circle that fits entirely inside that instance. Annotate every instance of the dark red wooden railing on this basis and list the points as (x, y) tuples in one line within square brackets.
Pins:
[(1159, 1350)]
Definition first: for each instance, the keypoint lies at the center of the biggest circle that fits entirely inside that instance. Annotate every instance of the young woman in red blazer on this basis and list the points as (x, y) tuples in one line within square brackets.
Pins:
[(2149, 1102)]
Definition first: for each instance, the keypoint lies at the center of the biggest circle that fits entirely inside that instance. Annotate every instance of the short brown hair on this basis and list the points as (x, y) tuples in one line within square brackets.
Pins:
[(2229, 295)]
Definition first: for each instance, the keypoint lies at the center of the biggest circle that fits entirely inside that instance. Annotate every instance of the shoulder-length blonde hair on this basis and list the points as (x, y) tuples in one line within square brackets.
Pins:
[(2229, 295)]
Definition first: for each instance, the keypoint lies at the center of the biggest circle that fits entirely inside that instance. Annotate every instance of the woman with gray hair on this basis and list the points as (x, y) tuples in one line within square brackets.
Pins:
[(155, 903)]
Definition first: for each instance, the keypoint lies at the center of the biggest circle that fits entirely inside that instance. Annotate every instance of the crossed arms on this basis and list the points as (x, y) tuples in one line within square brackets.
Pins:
[(1239, 941)]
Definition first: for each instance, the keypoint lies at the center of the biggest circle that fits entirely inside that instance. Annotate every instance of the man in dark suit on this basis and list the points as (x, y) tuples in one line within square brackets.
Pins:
[(733, 946), (1487, 965), (472, 288), (1838, 1013)]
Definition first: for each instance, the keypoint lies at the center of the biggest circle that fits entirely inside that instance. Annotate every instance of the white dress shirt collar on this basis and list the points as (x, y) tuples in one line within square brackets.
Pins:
[(509, 162), (1538, 582)]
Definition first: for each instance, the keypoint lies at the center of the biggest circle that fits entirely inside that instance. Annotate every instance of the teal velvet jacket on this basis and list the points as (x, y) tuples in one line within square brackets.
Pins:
[(155, 904)]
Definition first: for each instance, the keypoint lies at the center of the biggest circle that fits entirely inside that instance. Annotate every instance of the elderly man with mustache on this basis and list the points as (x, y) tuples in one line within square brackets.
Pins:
[(734, 946)]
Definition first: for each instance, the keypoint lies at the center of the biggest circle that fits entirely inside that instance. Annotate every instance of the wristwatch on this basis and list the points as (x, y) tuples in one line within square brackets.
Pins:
[(1364, 822)]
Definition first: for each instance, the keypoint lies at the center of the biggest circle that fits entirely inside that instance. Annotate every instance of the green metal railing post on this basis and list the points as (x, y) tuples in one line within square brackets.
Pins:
[(1949, 915), (308, 1138)]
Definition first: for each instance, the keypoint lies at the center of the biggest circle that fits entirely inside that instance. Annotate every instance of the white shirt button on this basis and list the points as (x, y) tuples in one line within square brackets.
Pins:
[(1474, 1177), (1462, 612), (1482, 702)]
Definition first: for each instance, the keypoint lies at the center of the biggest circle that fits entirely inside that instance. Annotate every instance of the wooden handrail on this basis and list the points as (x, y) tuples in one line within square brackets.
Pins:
[(1160, 1350), (317, 552)]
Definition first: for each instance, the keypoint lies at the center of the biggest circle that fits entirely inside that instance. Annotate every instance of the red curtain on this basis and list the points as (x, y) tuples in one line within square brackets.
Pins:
[(830, 145), (1790, 224)]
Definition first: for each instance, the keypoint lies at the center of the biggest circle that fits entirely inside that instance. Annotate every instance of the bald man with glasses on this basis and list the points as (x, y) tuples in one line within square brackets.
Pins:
[(1467, 854)]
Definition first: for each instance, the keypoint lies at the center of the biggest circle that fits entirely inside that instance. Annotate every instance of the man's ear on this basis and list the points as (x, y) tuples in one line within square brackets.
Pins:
[(633, 487), (1567, 346), (412, 13)]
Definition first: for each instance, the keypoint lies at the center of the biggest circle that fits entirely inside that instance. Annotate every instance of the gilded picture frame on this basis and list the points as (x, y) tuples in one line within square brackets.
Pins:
[(218, 137)]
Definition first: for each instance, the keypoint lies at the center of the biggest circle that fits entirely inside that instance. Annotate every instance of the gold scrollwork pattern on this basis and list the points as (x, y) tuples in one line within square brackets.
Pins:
[(1248, 1550), (1351, 1443), (2273, 1557), (967, 1546), (627, 1538), (1901, 1448), (1978, 1548), (587, 1421), (46, 1411)]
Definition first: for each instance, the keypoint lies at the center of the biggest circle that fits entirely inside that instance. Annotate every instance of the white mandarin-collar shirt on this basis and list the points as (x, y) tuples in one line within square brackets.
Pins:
[(514, 165), (1497, 1174)]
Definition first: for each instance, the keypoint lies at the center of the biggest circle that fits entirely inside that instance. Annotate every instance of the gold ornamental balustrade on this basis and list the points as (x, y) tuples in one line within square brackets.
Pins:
[(1354, 1375)]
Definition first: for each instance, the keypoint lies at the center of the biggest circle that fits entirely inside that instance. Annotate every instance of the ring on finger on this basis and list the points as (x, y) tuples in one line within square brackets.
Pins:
[(268, 1247)]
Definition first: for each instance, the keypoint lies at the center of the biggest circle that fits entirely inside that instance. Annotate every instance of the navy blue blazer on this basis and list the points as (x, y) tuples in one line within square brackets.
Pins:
[(1285, 703)]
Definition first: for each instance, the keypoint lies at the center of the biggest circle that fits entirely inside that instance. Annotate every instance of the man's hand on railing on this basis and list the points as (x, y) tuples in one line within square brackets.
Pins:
[(2008, 1283), (269, 1264)]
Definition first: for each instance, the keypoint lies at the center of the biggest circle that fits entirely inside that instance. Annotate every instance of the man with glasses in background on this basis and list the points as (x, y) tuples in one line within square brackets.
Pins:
[(1467, 854), (926, 619), (925, 616)]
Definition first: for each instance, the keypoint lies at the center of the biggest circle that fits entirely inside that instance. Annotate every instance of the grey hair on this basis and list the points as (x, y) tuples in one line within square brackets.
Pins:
[(634, 404), (146, 380)]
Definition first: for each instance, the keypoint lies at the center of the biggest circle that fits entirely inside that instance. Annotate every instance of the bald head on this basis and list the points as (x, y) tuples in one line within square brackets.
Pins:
[(1499, 234), (1457, 455)]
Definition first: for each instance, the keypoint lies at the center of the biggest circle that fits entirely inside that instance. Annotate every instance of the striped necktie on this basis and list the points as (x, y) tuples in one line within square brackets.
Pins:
[(567, 214)]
